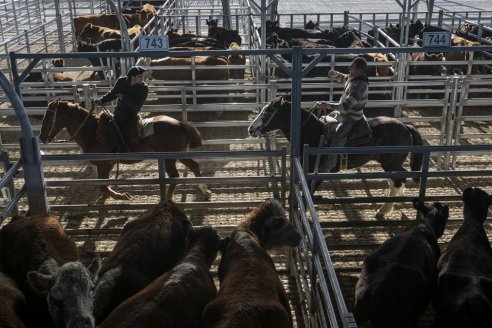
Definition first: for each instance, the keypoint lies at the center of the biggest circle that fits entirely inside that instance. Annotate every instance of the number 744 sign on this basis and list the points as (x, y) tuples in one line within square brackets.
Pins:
[(436, 39)]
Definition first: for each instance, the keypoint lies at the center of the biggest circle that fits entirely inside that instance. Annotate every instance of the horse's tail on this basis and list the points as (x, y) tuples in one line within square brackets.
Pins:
[(416, 158), (194, 137)]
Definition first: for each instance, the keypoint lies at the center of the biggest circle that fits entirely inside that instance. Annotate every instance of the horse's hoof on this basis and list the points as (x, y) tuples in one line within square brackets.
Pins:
[(101, 200), (380, 216)]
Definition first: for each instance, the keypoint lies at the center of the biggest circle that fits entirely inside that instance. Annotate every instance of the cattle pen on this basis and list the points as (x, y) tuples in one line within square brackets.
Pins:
[(451, 111)]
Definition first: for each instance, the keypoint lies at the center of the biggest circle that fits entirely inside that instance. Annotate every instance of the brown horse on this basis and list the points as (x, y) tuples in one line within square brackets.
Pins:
[(170, 135)]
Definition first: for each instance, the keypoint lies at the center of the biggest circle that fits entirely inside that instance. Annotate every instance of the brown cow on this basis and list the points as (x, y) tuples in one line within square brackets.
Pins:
[(13, 306), (176, 299), (398, 280), (106, 20), (185, 73), (146, 13), (57, 76), (44, 261), (251, 293), (465, 269), (95, 34), (457, 41), (148, 246), (236, 73)]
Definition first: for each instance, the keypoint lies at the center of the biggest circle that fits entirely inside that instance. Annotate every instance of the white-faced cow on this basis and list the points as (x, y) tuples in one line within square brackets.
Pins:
[(399, 279), (148, 247), (13, 305), (251, 293), (175, 299), (44, 261), (465, 269)]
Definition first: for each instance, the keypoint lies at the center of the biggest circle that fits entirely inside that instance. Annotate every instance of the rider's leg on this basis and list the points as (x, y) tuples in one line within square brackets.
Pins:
[(339, 140)]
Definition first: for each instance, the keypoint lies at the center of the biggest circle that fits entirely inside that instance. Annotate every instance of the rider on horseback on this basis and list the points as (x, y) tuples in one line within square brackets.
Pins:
[(131, 92), (350, 108)]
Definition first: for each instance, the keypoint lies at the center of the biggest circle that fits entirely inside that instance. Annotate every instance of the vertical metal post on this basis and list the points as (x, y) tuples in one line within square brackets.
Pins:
[(59, 26), (161, 165), (125, 39), (226, 14), (10, 187), (30, 154)]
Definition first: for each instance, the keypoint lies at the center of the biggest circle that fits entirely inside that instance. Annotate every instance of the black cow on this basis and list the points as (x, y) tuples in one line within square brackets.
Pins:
[(113, 45), (465, 269), (399, 279)]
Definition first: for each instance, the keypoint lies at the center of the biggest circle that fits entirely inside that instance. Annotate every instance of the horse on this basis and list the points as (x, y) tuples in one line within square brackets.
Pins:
[(170, 135), (386, 131)]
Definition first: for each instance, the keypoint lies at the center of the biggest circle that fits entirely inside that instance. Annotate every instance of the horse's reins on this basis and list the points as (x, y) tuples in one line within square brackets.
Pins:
[(116, 126), (302, 124), (83, 122)]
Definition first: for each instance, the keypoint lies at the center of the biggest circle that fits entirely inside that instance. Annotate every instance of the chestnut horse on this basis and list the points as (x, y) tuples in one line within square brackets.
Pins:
[(386, 131), (170, 135)]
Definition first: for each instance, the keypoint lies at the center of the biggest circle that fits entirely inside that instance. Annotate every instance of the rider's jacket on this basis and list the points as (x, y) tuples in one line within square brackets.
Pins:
[(133, 96), (354, 96)]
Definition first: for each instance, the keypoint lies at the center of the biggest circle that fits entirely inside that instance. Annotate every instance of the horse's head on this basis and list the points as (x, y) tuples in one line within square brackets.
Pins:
[(272, 117), (52, 124)]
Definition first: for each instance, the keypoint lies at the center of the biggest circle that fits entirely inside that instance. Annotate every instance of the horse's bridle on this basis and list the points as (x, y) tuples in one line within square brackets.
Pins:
[(53, 121), (275, 112)]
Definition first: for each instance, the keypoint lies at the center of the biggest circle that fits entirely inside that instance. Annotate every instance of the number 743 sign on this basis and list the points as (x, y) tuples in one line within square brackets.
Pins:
[(154, 42), (436, 39)]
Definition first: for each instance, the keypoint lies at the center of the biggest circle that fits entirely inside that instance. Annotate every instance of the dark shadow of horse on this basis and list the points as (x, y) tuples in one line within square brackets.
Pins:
[(386, 131), (170, 135)]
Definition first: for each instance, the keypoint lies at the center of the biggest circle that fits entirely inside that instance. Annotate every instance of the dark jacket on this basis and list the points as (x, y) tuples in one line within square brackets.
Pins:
[(133, 96)]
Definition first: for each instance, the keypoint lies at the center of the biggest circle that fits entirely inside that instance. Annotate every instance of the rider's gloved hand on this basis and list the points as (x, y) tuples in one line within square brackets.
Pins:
[(323, 105), (332, 74), (98, 102)]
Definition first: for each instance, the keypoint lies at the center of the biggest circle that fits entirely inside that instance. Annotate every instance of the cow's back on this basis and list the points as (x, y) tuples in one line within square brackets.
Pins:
[(251, 293), (465, 280), (27, 242), (147, 247), (398, 279)]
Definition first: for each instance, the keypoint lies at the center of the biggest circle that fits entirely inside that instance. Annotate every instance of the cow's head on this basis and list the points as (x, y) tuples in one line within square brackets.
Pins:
[(68, 290), (476, 204), (270, 224), (436, 215)]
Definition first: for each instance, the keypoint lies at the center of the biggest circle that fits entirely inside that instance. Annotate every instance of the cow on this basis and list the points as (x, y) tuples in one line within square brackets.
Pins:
[(251, 293), (399, 279), (106, 20), (175, 299), (436, 69), (13, 305), (224, 36), (158, 69), (464, 296), (57, 76), (147, 247), (457, 41), (95, 34), (44, 262), (112, 45), (146, 13), (236, 73)]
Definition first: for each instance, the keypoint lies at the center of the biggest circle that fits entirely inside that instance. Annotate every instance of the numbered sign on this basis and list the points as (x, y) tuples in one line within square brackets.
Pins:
[(154, 42), (436, 39)]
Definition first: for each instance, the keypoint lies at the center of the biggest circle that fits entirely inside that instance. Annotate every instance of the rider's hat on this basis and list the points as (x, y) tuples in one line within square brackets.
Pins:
[(135, 70)]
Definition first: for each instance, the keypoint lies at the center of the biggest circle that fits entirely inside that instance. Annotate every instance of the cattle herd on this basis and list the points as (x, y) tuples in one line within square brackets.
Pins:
[(101, 33), (345, 37), (158, 274)]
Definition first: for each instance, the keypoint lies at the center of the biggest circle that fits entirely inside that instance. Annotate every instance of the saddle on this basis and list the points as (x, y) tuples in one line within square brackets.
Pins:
[(135, 129), (361, 133)]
